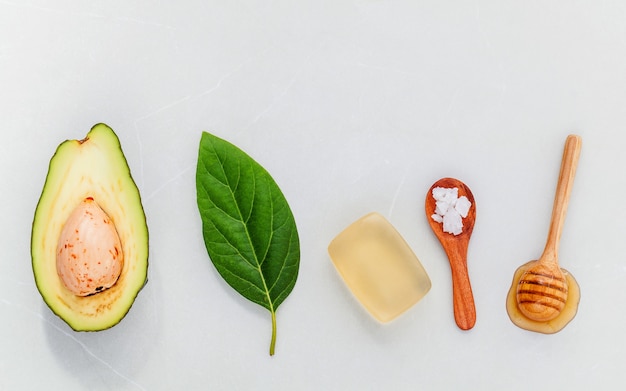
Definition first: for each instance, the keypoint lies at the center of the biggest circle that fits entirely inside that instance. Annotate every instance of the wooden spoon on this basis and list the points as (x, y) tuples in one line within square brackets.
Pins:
[(542, 290), (455, 247)]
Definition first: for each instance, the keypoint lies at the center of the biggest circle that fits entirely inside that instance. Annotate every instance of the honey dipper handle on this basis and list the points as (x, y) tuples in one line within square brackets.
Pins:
[(571, 152)]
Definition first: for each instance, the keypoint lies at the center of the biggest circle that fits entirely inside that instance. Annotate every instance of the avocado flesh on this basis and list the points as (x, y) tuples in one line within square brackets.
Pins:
[(93, 167)]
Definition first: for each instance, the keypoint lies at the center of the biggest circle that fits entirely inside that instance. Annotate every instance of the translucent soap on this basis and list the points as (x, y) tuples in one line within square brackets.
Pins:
[(379, 267)]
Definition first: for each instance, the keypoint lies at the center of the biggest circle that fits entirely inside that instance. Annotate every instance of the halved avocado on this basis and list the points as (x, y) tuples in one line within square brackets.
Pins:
[(95, 168)]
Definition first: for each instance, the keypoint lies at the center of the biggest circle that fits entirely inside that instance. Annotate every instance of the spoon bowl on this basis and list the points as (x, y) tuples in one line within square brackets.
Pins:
[(456, 247)]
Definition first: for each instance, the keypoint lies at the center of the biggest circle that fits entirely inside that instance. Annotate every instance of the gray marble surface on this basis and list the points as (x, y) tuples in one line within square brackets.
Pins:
[(353, 107)]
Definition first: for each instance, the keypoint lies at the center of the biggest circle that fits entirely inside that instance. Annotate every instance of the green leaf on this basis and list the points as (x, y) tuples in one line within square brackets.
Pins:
[(249, 230)]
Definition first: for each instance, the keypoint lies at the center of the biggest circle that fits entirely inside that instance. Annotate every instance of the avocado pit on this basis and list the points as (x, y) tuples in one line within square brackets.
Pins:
[(89, 256)]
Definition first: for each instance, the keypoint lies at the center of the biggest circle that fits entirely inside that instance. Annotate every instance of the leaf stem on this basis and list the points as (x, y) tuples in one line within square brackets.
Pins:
[(273, 343)]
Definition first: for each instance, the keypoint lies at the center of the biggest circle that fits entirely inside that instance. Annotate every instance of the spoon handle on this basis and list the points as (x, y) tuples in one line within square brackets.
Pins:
[(462, 296), (571, 152)]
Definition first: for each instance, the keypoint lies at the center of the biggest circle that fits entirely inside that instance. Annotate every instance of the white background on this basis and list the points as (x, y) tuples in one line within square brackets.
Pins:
[(353, 107)]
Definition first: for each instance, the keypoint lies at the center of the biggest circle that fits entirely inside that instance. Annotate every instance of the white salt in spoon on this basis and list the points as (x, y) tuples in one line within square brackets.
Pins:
[(455, 247)]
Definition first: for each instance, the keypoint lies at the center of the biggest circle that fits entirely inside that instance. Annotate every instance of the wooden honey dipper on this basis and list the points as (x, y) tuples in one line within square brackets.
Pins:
[(542, 290)]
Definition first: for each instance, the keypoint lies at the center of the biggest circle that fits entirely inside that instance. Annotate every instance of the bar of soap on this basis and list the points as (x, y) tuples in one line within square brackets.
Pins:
[(379, 267)]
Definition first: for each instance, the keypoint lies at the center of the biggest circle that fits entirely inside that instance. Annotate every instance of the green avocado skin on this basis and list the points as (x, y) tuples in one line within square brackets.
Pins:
[(92, 167)]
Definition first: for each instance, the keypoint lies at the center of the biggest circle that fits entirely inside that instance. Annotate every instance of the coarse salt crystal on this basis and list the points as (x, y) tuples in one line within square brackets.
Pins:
[(441, 207), (463, 206), (437, 218), (452, 222), (450, 209), (439, 192)]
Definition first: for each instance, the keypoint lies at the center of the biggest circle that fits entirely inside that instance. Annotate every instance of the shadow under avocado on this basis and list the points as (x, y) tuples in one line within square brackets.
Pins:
[(107, 359)]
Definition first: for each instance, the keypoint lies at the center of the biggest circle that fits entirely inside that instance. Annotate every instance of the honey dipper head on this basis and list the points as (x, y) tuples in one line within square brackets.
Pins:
[(542, 292)]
